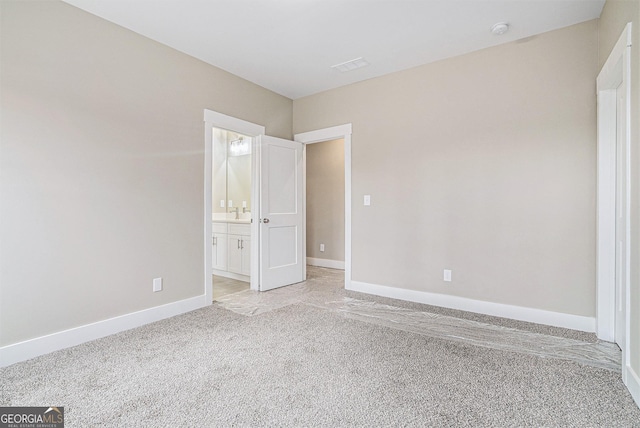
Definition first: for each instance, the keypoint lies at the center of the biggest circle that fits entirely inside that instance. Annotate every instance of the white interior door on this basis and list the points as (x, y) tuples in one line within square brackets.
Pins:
[(281, 213), (621, 221)]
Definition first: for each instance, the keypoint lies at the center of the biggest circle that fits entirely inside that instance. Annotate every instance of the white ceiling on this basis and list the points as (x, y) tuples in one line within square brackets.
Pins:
[(289, 46)]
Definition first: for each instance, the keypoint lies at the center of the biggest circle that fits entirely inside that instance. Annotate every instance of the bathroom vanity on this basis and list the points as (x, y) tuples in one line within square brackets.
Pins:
[(232, 249)]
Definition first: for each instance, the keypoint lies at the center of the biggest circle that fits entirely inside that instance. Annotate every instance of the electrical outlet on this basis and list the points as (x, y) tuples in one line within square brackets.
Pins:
[(321, 247), (157, 285), (221, 203), (447, 275)]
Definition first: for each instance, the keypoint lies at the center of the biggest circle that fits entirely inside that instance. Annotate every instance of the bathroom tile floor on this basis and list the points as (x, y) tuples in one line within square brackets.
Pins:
[(224, 286)]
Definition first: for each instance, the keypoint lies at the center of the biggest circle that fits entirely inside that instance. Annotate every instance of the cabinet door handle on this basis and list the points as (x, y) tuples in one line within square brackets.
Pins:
[(238, 244), (215, 241), (242, 244)]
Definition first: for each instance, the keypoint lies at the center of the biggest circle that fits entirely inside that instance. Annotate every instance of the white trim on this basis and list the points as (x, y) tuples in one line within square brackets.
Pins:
[(538, 316), (615, 71), (611, 68), (208, 210), (254, 268), (304, 210), (232, 275), (219, 120), (633, 384), (214, 119), (32, 348), (327, 134), (327, 263), (606, 222)]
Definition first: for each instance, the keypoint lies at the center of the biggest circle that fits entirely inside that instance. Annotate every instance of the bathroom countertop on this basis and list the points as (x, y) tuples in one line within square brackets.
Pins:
[(238, 221)]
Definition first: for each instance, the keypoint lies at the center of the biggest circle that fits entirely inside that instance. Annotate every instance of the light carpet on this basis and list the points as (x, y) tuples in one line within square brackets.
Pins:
[(301, 365)]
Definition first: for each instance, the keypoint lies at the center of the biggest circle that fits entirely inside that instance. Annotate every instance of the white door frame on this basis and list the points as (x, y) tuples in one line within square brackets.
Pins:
[(212, 120), (319, 136), (615, 72)]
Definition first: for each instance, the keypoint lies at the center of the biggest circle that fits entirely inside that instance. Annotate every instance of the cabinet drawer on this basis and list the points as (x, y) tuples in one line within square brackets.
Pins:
[(240, 229), (219, 227)]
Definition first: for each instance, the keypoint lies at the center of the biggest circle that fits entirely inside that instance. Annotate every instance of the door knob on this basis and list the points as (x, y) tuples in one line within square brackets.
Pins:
[(266, 220)]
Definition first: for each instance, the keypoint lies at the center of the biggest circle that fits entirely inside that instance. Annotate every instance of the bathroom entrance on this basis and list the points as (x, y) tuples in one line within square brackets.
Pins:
[(253, 220), (231, 211)]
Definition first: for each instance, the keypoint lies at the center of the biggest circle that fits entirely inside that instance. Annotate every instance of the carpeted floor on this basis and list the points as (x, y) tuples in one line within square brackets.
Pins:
[(301, 365), (324, 289)]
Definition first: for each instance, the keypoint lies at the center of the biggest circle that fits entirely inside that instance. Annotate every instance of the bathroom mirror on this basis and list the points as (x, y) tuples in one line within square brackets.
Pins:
[(231, 175)]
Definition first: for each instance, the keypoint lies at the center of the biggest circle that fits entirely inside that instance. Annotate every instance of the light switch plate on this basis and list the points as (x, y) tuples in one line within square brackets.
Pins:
[(447, 275), (367, 200), (157, 284)]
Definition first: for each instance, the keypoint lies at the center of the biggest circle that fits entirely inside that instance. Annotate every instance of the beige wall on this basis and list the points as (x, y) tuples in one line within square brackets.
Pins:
[(102, 167), (615, 15), (325, 199), (483, 164)]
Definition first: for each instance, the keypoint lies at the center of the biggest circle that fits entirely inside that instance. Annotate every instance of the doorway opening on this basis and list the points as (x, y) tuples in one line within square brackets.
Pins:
[(325, 204), (230, 225), (231, 212), (334, 135)]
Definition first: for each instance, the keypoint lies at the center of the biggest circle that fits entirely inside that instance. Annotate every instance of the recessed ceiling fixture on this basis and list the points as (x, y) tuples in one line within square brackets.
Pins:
[(500, 28), (351, 65)]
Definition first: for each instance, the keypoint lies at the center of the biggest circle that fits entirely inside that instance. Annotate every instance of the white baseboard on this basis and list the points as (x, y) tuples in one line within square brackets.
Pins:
[(539, 316), (28, 349), (633, 384), (227, 274), (333, 264)]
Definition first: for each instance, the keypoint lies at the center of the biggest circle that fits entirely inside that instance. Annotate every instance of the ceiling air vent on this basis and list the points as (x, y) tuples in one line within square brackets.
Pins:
[(351, 65)]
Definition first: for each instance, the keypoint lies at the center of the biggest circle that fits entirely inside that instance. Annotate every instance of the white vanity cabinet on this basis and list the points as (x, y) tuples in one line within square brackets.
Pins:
[(219, 253), (232, 250), (239, 245)]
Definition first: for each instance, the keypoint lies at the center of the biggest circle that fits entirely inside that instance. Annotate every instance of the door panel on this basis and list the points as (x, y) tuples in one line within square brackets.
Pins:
[(235, 254), (281, 253), (282, 179), (219, 251), (281, 213)]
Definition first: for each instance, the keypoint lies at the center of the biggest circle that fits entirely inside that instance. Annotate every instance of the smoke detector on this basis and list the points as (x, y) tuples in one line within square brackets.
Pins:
[(500, 28)]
